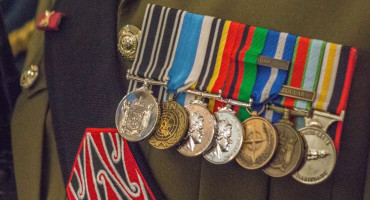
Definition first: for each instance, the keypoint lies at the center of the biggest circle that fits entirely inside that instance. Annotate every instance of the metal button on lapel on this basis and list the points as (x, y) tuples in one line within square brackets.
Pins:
[(29, 76), (128, 39)]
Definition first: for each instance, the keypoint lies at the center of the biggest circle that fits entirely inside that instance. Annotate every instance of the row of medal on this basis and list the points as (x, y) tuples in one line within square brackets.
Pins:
[(308, 155)]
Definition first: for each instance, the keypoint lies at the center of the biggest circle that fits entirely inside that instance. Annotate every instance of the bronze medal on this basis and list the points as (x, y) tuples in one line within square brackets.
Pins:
[(202, 127), (137, 115), (290, 150), (259, 143), (172, 126), (289, 153)]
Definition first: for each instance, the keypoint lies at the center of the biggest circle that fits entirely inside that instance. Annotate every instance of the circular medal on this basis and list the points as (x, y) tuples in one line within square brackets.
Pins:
[(137, 115), (201, 130), (289, 152), (259, 143), (228, 139), (320, 157), (172, 127)]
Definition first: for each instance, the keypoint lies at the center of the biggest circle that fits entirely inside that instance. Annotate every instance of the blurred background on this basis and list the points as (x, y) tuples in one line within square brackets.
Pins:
[(16, 26)]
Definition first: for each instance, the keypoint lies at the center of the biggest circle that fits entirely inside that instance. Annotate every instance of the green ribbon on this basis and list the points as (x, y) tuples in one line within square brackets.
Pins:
[(250, 69)]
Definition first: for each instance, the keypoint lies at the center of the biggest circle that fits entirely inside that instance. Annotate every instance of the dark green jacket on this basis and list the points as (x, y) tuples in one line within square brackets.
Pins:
[(85, 83)]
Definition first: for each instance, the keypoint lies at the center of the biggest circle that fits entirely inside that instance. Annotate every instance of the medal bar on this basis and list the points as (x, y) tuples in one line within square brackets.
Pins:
[(129, 76), (325, 119), (294, 112), (219, 98)]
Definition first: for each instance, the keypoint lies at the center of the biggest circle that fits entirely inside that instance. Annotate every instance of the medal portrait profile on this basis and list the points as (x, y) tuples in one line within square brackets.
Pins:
[(195, 132), (223, 139)]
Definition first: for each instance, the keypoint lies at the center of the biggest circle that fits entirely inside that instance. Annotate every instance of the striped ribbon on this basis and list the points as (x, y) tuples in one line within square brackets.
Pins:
[(191, 52), (173, 47), (216, 65), (250, 68), (236, 67), (334, 83), (216, 39), (304, 74), (155, 54), (269, 82), (305, 69), (248, 44), (218, 79)]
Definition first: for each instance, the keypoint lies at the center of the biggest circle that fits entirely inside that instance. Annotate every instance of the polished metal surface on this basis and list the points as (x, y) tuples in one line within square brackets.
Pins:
[(259, 143), (29, 76), (129, 76), (324, 119), (219, 98), (137, 115), (320, 159), (228, 139), (173, 124), (128, 41), (202, 127), (297, 93), (273, 62)]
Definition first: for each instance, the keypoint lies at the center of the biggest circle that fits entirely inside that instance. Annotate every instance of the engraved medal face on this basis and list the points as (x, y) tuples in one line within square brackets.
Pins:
[(259, 143), (228, 139), (172, 127), (289, 152), (201, 131), (320, 157), (137, 115)]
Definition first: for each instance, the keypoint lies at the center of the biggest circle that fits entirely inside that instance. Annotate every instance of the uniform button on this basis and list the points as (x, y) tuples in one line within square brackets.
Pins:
[(29, 76), (128, 40)]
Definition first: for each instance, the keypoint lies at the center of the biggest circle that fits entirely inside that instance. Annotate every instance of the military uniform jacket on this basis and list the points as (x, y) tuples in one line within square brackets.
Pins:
[(85, 79)]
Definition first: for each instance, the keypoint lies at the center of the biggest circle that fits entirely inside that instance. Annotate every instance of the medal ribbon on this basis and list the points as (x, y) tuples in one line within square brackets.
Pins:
[(209, 60), (304, 73), (160, 35), (236, 70), (250, 68), (305, 70), (222, 68), (236, 63), (334, 84), (189, 60), (270, 80), (215, 67)]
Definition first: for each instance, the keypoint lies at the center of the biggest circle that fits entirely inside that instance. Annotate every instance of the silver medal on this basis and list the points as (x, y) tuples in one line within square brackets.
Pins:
[(137, 115), (228, 139), (320, 158)]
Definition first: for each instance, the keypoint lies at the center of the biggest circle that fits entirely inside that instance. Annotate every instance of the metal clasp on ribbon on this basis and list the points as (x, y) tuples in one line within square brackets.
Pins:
[(218, 97)]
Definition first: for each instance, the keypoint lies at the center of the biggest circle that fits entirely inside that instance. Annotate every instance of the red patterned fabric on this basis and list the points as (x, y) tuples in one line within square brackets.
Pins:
[(105, 168)]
